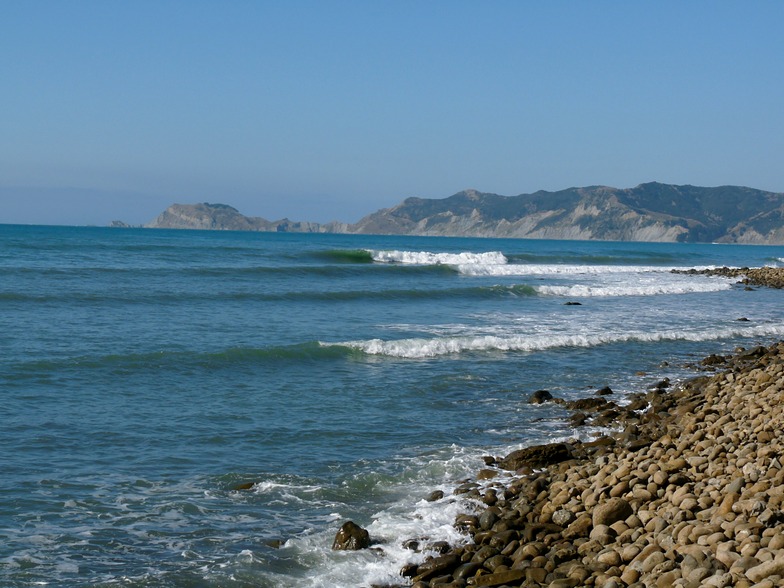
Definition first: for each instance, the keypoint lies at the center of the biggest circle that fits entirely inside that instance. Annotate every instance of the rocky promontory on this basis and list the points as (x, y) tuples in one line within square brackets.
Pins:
[(771, 277)]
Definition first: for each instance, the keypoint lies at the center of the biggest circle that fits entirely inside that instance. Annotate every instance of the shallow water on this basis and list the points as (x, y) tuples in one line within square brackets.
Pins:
[(145, 374)]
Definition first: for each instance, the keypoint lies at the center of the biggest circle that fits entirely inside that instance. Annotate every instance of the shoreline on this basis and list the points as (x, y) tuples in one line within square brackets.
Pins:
[(689, 492), (769, 277)]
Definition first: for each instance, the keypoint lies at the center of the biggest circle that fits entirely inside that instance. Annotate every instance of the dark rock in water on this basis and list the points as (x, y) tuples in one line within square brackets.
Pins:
[(589, 404), (245, 486), (713, 359), (606, 417), (660, 386), (743, 319), (467, 522), (351, 537), (578, 419), (753, 353), (486, 474), (573, 303), (637, 403), (606, 391), (540, 396), (435, 495), (438, 565), (412, 544), (536, 456)]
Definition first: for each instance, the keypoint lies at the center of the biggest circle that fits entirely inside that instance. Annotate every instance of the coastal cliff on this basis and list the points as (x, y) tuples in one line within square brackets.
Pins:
[(648, 212)]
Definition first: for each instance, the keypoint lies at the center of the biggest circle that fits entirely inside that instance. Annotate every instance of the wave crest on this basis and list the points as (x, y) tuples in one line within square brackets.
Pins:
[(431, 258), (422, 348)]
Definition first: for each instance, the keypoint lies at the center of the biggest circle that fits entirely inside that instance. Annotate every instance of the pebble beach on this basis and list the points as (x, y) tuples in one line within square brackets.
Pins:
[(688, 490)]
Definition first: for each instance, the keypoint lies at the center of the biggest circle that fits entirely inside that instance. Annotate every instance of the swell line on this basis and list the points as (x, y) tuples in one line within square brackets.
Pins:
[(158, 298), (182, 359), (422, 348)]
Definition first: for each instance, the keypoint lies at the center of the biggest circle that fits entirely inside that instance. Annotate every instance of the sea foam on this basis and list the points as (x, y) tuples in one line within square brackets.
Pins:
[(422, 348), (430, 258), (529, 269), (683, 287)]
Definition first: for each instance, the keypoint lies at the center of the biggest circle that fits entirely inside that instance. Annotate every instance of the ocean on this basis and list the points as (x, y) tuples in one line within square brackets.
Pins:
[(147, 375)]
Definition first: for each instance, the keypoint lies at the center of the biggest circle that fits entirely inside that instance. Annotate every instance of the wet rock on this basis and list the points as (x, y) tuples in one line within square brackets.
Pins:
[(536, 456), (466, 570), (244, 486), (351, 537), (660, 386), (498, 578), (578, 419), (436, 566), (589, 404), (540, 397), (713, 360), (435, 495)]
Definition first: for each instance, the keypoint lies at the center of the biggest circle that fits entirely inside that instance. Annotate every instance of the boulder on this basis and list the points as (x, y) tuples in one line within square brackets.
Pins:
[(539, 397), (443, 564), (351, 537), (589, 404), (536, 456), (612, 511)]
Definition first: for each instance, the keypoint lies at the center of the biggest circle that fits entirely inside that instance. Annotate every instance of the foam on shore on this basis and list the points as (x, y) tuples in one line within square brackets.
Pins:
[(689, 493)]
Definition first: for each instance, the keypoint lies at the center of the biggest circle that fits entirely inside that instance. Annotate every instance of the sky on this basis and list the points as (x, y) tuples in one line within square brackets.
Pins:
[(330, 110)]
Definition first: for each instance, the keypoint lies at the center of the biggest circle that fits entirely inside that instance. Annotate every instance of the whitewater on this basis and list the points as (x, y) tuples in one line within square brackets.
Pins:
[(189, 408)]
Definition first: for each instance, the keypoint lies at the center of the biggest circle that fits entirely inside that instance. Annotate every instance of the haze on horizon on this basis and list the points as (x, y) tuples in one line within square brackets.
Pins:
[(326, 111)]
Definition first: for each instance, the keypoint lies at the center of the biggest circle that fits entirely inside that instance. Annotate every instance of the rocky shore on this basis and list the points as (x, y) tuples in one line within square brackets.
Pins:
[(771, 277), (689, 492)]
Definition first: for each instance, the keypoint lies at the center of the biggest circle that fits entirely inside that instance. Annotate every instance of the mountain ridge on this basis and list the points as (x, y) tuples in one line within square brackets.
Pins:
[(648, 212)]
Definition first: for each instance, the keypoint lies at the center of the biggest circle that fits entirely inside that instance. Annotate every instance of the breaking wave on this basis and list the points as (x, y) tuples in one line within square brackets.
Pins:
[(422, 348), (430, 258), (582, 290), (557, 269)]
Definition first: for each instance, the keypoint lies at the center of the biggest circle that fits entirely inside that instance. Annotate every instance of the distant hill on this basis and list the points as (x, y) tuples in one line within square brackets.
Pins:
[(222, 217), (648, 212)]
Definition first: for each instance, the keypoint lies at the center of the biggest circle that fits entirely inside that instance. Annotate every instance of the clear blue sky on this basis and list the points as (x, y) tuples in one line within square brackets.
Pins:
[(333, 109)]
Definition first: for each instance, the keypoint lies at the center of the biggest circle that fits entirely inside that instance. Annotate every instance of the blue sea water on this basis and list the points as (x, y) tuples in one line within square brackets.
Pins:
[(146, 374)]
